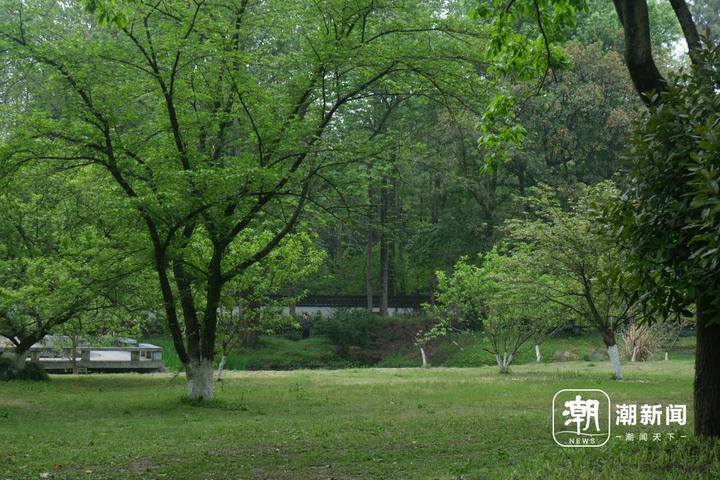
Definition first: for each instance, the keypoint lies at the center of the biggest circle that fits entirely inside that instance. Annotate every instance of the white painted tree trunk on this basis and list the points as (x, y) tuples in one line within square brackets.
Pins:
[(504, 362), (538, 357), (424, 357), (634, 354), (614, 355), (221, 367), (199, 376), (666, 356)]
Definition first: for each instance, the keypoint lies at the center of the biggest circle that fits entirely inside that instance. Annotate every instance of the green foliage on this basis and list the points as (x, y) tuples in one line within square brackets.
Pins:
[(7, 368), (576, 128), (279, 353), (505, 294), (61, 259), (252, 305), (589, 276), (529, 49), (30, 371), (599, 23), (214, 131), (668, 218), (705, 14), (460, 351), (461, 300), (347, 328)]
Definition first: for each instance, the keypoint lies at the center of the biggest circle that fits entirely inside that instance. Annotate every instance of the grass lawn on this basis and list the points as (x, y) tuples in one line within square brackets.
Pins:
[(274, 353), (443, 423), (279, 353)]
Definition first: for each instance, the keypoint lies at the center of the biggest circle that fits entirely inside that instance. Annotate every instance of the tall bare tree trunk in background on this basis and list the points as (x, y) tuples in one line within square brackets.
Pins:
[(384, 247), (369, 251), (435, 201), (395, 286)]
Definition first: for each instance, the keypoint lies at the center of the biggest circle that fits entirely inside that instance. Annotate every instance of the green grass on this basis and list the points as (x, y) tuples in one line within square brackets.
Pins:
[(473, 354), (279, 353), (439, 423), (274, 353)]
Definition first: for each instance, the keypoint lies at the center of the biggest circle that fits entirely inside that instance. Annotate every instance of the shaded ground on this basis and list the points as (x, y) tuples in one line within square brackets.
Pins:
[(371, 423)]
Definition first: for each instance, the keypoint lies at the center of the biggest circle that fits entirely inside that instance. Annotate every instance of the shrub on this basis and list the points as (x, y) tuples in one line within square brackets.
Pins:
[(7, 369), (31, 371), (350, 327), (647, 339), (639, 342)]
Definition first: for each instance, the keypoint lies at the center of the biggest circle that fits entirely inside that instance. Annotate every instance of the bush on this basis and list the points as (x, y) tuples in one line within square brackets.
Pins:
[(645, 340), (351, 327), (7, 369), (639, 342), (31, 371)]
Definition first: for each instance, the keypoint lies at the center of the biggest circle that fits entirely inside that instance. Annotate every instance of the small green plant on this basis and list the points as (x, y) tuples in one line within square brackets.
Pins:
[(31, 371)]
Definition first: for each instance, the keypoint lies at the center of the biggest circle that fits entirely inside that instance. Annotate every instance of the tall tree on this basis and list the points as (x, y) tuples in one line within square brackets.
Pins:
[(652, 86), (217, 119), (60, 261), (590, 280)]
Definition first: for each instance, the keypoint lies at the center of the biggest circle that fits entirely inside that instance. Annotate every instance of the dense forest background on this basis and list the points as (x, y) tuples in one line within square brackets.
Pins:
[(179, 166), (437, 193)]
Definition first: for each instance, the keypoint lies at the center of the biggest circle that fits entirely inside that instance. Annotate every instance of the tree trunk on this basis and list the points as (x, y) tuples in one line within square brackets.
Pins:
[(369, 254), (384, 280), (646, 77), (614, 355), (20, 359), (538, 357), (707, 366), (608, 335), (199, 376), (504, 362), (369, 273), (435, 197), (521, 176), (393, 215), (221, 367), (384, 249), (19, 356), (424, 357)]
